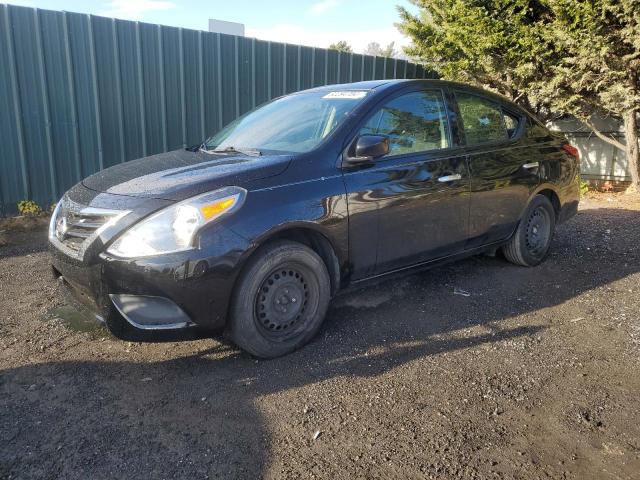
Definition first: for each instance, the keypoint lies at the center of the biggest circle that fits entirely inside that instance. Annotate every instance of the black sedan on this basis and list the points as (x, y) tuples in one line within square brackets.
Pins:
[(256, 229)]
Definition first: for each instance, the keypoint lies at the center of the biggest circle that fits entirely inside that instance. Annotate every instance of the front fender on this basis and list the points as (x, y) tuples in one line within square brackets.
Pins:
[(318, 205)]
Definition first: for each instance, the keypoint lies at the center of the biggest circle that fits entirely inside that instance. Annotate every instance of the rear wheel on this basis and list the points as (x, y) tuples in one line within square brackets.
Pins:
[(530, 243), (280, 300)]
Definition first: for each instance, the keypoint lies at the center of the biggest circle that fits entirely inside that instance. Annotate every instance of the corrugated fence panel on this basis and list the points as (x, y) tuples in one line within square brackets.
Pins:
[(332, 67), (276, 61), (152, 86), (130, 92), (262, 75), (388, 67), (411, 71), (192, 61), (401, 66), (229, 68), (344, 62), (60, 93), (109, 96), (379, 65), (79, 93), (245, 77), (306, 68), (171, 49), (33, 103), (13, 174), (291, 71), (356, 67), (84, 83), (368, 67), (211, 82), (319, 61)]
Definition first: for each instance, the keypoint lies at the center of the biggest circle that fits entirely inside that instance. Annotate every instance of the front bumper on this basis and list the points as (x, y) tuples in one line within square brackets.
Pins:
[(175, 289)]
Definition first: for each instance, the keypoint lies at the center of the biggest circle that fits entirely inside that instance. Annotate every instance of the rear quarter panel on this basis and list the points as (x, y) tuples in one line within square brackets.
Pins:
[(558, 170)]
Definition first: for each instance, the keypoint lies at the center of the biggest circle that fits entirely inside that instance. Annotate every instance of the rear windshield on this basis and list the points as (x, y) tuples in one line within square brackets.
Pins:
[(295, 123)]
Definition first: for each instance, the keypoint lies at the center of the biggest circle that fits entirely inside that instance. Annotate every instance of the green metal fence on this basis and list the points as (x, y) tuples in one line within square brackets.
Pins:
[(79, 93)]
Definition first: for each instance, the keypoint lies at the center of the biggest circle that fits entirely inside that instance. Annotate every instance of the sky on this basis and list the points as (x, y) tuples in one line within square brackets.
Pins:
[(308, 22)]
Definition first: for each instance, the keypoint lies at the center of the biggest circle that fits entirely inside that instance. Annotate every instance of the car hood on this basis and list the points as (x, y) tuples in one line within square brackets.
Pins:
[(181, 174)]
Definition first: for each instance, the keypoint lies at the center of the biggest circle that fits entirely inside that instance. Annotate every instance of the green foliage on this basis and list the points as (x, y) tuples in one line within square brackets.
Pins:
[(554, 57), (493, 43), (597, 56), (584, 188), (341, 46), (560, 56), (480, 118), (29, 208), (374, 48)]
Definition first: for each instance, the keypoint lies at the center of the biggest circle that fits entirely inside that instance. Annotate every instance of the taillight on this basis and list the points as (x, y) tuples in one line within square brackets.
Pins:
[(571, 150)]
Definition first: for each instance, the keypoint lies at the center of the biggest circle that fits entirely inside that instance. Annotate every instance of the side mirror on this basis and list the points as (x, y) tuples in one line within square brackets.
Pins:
[(369, 147)]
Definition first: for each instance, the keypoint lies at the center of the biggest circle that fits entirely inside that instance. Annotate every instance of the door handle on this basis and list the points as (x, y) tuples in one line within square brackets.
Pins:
[(450, 178), (531, 165)]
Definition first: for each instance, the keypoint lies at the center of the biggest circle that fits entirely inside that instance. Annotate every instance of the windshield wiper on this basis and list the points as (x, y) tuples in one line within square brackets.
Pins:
[(245, 151)]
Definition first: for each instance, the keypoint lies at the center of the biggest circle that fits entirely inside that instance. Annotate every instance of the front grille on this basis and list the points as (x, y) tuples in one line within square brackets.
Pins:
[(81, 226), (74, 226)]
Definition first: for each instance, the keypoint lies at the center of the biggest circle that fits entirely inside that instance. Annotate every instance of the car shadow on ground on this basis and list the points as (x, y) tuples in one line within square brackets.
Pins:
[(196, 416)]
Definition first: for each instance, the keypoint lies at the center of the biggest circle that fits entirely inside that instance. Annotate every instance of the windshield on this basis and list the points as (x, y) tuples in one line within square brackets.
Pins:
[(295, 123)]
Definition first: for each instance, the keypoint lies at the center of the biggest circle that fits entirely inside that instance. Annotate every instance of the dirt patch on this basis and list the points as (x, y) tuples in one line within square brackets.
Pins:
[(532, 375), (17, 230)]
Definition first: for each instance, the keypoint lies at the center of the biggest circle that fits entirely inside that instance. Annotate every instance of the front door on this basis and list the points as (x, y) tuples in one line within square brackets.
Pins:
[(412, 205)]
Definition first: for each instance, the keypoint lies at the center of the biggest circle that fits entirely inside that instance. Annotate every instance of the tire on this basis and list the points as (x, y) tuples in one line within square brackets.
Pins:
[(530, 243), (280, 300)]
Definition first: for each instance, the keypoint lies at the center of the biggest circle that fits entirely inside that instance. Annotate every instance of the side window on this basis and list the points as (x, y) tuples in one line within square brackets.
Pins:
[(415, 122), (482, 119), (511, 122)]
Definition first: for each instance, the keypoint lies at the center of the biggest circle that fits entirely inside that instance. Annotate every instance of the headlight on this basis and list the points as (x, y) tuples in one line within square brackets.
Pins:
[(174, 228)]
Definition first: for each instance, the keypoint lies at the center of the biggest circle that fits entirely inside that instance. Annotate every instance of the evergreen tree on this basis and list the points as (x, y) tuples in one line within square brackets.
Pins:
[(341, 46), (551, 56)]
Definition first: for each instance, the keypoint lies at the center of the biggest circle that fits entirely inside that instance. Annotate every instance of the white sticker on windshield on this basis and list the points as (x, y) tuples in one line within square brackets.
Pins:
[(346, 94)]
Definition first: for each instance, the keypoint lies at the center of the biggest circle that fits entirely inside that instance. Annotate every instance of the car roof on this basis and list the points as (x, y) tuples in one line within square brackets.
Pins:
[(366, 85), (396, 83), (392, 84), (387, 83)]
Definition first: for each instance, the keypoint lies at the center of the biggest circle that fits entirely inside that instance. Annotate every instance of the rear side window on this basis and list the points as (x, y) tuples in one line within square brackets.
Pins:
[(482, 119), (415, 122), (511, 122)]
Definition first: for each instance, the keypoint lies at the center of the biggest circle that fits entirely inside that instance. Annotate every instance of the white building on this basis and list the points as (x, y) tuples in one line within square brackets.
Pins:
[(228, 28), (599, 160)]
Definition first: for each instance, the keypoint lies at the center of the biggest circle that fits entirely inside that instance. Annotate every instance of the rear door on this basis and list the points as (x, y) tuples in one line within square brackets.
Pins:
[(411, 205), (501, 164)]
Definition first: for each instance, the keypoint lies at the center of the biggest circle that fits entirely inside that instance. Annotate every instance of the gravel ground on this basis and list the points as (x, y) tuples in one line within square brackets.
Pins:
[(534, 374)]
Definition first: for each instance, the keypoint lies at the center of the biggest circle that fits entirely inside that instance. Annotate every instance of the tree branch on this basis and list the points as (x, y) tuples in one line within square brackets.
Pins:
[(602, 136)]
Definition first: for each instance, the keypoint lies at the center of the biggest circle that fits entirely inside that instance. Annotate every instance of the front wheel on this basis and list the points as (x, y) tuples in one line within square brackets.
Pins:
[(280, 300), (530, 243)]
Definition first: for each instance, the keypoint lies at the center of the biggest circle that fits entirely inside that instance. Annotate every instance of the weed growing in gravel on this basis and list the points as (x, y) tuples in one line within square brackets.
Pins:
[(584, 188), (29, 208)]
